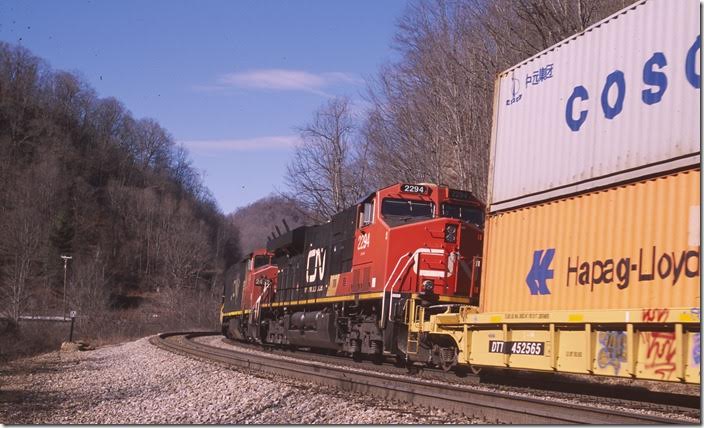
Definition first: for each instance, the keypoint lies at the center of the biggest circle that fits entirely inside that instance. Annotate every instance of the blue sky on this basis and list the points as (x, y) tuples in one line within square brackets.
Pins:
[(231, 80)]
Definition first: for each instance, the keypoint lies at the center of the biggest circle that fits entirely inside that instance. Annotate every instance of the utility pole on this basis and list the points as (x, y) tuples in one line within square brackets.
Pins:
[(66, 259)]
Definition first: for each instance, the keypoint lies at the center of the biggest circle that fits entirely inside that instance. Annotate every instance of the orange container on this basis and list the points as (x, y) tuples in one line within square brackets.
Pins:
[(628, 247)]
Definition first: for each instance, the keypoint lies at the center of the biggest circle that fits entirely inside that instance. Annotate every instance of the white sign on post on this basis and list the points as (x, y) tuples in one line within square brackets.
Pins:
[(72, 314)]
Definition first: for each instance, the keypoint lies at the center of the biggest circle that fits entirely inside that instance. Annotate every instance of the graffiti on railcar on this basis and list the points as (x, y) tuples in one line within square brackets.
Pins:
[(660, 353), (660, 348), (655, 315), (696, 349), (613, 350), (696, 340)]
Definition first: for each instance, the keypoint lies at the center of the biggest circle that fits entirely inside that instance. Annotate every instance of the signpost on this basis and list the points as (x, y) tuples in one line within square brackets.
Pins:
[(72, 314), (65, 259)]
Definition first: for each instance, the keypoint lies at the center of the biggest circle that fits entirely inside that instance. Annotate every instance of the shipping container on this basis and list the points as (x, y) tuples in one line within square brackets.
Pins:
[(632, 246), (617, 102)]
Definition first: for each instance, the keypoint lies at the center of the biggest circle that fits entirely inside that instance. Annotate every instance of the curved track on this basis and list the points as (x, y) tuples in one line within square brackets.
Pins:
[(493, 406), (511, 381)]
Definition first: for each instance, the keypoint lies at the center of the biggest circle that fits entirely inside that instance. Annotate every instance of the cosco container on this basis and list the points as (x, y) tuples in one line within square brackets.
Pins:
[(617, 102), (628, 247)]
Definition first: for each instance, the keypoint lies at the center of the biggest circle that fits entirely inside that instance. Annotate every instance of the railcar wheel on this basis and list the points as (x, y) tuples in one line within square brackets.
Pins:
[(444, 357), (475, 370), (446, 366), (378, 359), (413, 369)]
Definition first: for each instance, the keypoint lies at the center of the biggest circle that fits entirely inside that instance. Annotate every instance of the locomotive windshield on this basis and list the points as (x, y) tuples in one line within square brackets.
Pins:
[(260, 261), (401, 211), (469, 214)]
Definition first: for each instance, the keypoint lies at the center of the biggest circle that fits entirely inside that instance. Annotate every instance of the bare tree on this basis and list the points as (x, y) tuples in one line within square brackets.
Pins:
[(319, 176), (427, 120), (20, 250), (184, 247), (89, 292), (431, 111), (518, 29), (24, 227)]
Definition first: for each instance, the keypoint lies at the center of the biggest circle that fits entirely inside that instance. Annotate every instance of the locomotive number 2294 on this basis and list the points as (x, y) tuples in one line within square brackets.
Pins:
[(414, 188), (363, 241)]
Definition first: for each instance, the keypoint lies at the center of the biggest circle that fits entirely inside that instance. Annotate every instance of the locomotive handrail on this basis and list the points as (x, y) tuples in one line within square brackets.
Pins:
[(413, 258), (383, 297), (257, 304), (391, 291)]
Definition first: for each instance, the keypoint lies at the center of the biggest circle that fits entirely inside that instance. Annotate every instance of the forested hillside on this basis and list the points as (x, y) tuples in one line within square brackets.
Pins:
[(260, 219), (81, 177)]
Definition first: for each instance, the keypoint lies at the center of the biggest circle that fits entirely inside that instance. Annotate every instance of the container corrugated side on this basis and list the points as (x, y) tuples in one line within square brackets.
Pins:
[(630, 247), (615, 103)]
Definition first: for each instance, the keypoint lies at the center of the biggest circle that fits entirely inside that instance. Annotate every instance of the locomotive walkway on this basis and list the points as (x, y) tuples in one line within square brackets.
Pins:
[(493, 406)]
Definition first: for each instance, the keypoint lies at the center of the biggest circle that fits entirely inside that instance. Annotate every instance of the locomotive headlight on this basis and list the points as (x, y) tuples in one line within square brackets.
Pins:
[(428, 285), (451, 233)]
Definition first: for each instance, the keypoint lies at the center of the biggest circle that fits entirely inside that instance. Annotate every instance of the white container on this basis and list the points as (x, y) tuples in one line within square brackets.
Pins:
[(592, 111)]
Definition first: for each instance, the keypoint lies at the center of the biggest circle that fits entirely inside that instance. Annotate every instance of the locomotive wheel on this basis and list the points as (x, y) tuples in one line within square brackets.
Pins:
[(446, 366), (413, 369)]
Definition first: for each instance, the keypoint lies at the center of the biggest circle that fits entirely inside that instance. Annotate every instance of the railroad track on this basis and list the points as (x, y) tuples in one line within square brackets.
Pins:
[(514, 381), (492, 406)]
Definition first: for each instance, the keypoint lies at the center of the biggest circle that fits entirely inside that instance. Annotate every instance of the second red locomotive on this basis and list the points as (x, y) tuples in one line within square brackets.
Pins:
[(346, 285)]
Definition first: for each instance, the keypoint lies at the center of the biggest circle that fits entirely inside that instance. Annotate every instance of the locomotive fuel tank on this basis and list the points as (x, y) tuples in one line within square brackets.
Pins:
[(315, 329)]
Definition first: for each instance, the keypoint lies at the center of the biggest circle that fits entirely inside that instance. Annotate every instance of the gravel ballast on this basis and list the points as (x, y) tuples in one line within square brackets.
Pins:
[(137, 383), (689, 416)]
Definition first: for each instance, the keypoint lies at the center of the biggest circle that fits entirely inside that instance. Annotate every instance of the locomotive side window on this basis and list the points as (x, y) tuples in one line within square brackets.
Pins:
[(469, 214), (366, 216), (401, 211), (260, 261)]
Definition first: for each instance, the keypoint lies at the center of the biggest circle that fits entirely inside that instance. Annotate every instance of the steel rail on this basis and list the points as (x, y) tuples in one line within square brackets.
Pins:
[(492, 406)]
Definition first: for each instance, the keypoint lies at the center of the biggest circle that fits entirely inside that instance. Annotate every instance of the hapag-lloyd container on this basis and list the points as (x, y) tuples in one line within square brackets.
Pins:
[(627, 247), (617, 102)]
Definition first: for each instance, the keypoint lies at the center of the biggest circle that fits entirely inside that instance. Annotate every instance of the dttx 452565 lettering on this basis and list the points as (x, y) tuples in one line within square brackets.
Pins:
[(649, 267)]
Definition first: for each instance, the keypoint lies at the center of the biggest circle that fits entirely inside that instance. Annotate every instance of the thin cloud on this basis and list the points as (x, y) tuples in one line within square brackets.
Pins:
[(242, 145), (286, 80)]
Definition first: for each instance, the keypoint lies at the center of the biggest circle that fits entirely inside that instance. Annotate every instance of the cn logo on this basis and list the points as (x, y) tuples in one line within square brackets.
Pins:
[(540, 272), (315, 266)]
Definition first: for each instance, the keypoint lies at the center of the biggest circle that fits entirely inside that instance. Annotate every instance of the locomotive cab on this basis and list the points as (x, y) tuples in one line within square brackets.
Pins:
[(420, 239), (247, 284), (416, 245)]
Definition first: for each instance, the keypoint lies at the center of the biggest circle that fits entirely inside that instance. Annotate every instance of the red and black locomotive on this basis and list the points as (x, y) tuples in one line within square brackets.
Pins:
[(346, 285)]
